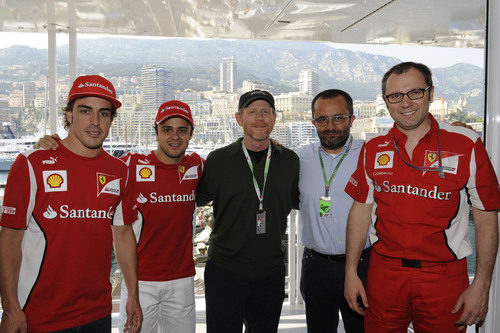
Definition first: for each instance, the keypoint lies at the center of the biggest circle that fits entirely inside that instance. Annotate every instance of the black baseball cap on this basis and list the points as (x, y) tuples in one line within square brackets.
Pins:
[(249, 97)]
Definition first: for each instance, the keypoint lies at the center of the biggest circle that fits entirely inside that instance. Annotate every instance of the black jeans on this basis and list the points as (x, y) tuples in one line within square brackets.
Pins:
[(233, 299), (99, 326), (322, 287)]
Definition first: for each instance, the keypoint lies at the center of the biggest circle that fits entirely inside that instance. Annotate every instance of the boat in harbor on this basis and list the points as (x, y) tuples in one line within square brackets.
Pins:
[(10, 148)]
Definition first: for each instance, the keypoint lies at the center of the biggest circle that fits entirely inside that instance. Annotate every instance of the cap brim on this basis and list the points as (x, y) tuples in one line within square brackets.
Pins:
[(178, 115), (116, 103), (257, 98)]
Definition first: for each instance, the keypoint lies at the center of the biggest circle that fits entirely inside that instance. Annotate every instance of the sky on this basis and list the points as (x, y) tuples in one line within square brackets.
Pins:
[(434, 57)]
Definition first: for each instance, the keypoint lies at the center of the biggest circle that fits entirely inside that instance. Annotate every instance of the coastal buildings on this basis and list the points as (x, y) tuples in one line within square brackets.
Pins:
[(157, 88), (227, 81), (309, 82)]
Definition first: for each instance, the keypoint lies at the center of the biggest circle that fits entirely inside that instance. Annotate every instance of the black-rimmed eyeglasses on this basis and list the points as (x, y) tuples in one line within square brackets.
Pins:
[(336, 119), (412, 94)]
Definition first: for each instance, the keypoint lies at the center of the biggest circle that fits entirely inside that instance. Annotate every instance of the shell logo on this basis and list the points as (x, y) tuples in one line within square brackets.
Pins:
[(55, 180), (145, 173), (383, 159), (102, 180)]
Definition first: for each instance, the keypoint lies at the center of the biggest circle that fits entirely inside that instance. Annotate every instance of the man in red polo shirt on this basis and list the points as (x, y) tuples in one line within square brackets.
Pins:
[(414, 184), (164, 189), (165, 183), (61, 212)]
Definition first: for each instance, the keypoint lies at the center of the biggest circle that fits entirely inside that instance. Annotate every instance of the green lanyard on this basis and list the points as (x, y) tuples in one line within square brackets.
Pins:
[(266, 170), (327, 183)]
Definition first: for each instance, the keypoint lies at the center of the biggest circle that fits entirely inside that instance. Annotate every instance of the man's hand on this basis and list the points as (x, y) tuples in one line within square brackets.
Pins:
[(134, 316), (353, 291), (276, 142), (461, 123), (474, 300), (14, 322), (48, 142)]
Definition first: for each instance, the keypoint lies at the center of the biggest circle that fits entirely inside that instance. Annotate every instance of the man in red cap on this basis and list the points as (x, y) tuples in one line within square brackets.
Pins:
[(165, 183), (62, 210), (165, 187)]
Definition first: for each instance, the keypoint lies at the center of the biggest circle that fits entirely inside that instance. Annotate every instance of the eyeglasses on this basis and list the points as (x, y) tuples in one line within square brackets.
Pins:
[(412, 94), (336, 119)]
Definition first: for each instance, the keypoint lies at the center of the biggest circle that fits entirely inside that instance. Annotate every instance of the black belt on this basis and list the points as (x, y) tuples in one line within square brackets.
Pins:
[(422, 263), (335, 257), (411, 263)]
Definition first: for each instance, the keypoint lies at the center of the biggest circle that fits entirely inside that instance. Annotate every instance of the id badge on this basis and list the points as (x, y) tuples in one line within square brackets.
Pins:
[(325, 206), (261, 222)]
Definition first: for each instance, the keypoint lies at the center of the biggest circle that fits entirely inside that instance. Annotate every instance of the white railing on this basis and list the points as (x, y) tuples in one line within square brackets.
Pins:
[(295, 250)]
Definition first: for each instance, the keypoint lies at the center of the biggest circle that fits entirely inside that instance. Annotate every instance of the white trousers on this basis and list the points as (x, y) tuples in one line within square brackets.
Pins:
[(167, 306)]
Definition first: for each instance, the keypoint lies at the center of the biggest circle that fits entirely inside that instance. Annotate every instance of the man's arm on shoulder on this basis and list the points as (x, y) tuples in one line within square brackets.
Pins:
[(357, 230), (474, 299), (13, 318), (126, 254), (48, 142), (203, 190), (461, 123)]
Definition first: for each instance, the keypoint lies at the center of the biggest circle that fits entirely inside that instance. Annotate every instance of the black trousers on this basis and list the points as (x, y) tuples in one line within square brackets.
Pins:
[(233, 299), (99, 326), (322, 287)]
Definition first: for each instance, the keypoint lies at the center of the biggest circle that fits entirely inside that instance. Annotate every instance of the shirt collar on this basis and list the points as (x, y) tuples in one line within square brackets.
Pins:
[(156, 161), (317, 146), (401, 137), (235, 147)]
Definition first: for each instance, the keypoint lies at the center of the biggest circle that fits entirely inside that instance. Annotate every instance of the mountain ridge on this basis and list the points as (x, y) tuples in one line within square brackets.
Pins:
[(273, 63)]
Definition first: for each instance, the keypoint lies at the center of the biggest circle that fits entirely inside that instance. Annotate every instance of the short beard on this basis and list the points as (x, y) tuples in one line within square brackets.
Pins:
[(336, 143), (170, 155)]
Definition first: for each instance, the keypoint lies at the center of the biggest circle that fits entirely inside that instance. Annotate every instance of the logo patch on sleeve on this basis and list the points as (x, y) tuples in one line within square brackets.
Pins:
[(145, 173), (9, 210), (107, 184), (187, 173), (384, 159), (55, 180)]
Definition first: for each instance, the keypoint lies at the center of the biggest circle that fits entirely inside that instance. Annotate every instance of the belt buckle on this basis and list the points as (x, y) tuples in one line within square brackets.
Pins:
[(411, 263), (336, 258)]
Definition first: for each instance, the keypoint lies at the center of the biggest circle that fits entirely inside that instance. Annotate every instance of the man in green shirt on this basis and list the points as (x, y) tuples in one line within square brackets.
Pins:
[(253, 185)]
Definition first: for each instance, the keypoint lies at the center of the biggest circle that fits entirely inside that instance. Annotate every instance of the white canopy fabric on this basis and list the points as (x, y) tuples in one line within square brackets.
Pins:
[(448, 23)]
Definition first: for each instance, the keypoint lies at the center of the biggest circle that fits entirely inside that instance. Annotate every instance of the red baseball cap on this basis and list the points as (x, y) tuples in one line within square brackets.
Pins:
[(93, 85), (174, 108)]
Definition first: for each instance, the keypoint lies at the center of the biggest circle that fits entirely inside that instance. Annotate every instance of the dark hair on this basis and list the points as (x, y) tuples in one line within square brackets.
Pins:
[(405, 67), (69, 108), (332, 93)]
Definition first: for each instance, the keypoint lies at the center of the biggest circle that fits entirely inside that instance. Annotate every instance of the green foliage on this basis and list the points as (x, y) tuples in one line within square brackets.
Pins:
[(463, 116)]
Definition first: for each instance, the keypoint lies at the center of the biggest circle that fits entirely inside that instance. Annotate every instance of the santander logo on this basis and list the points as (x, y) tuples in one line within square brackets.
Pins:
[(65, 212), (50, 213), (141, 199), (94, 85)]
